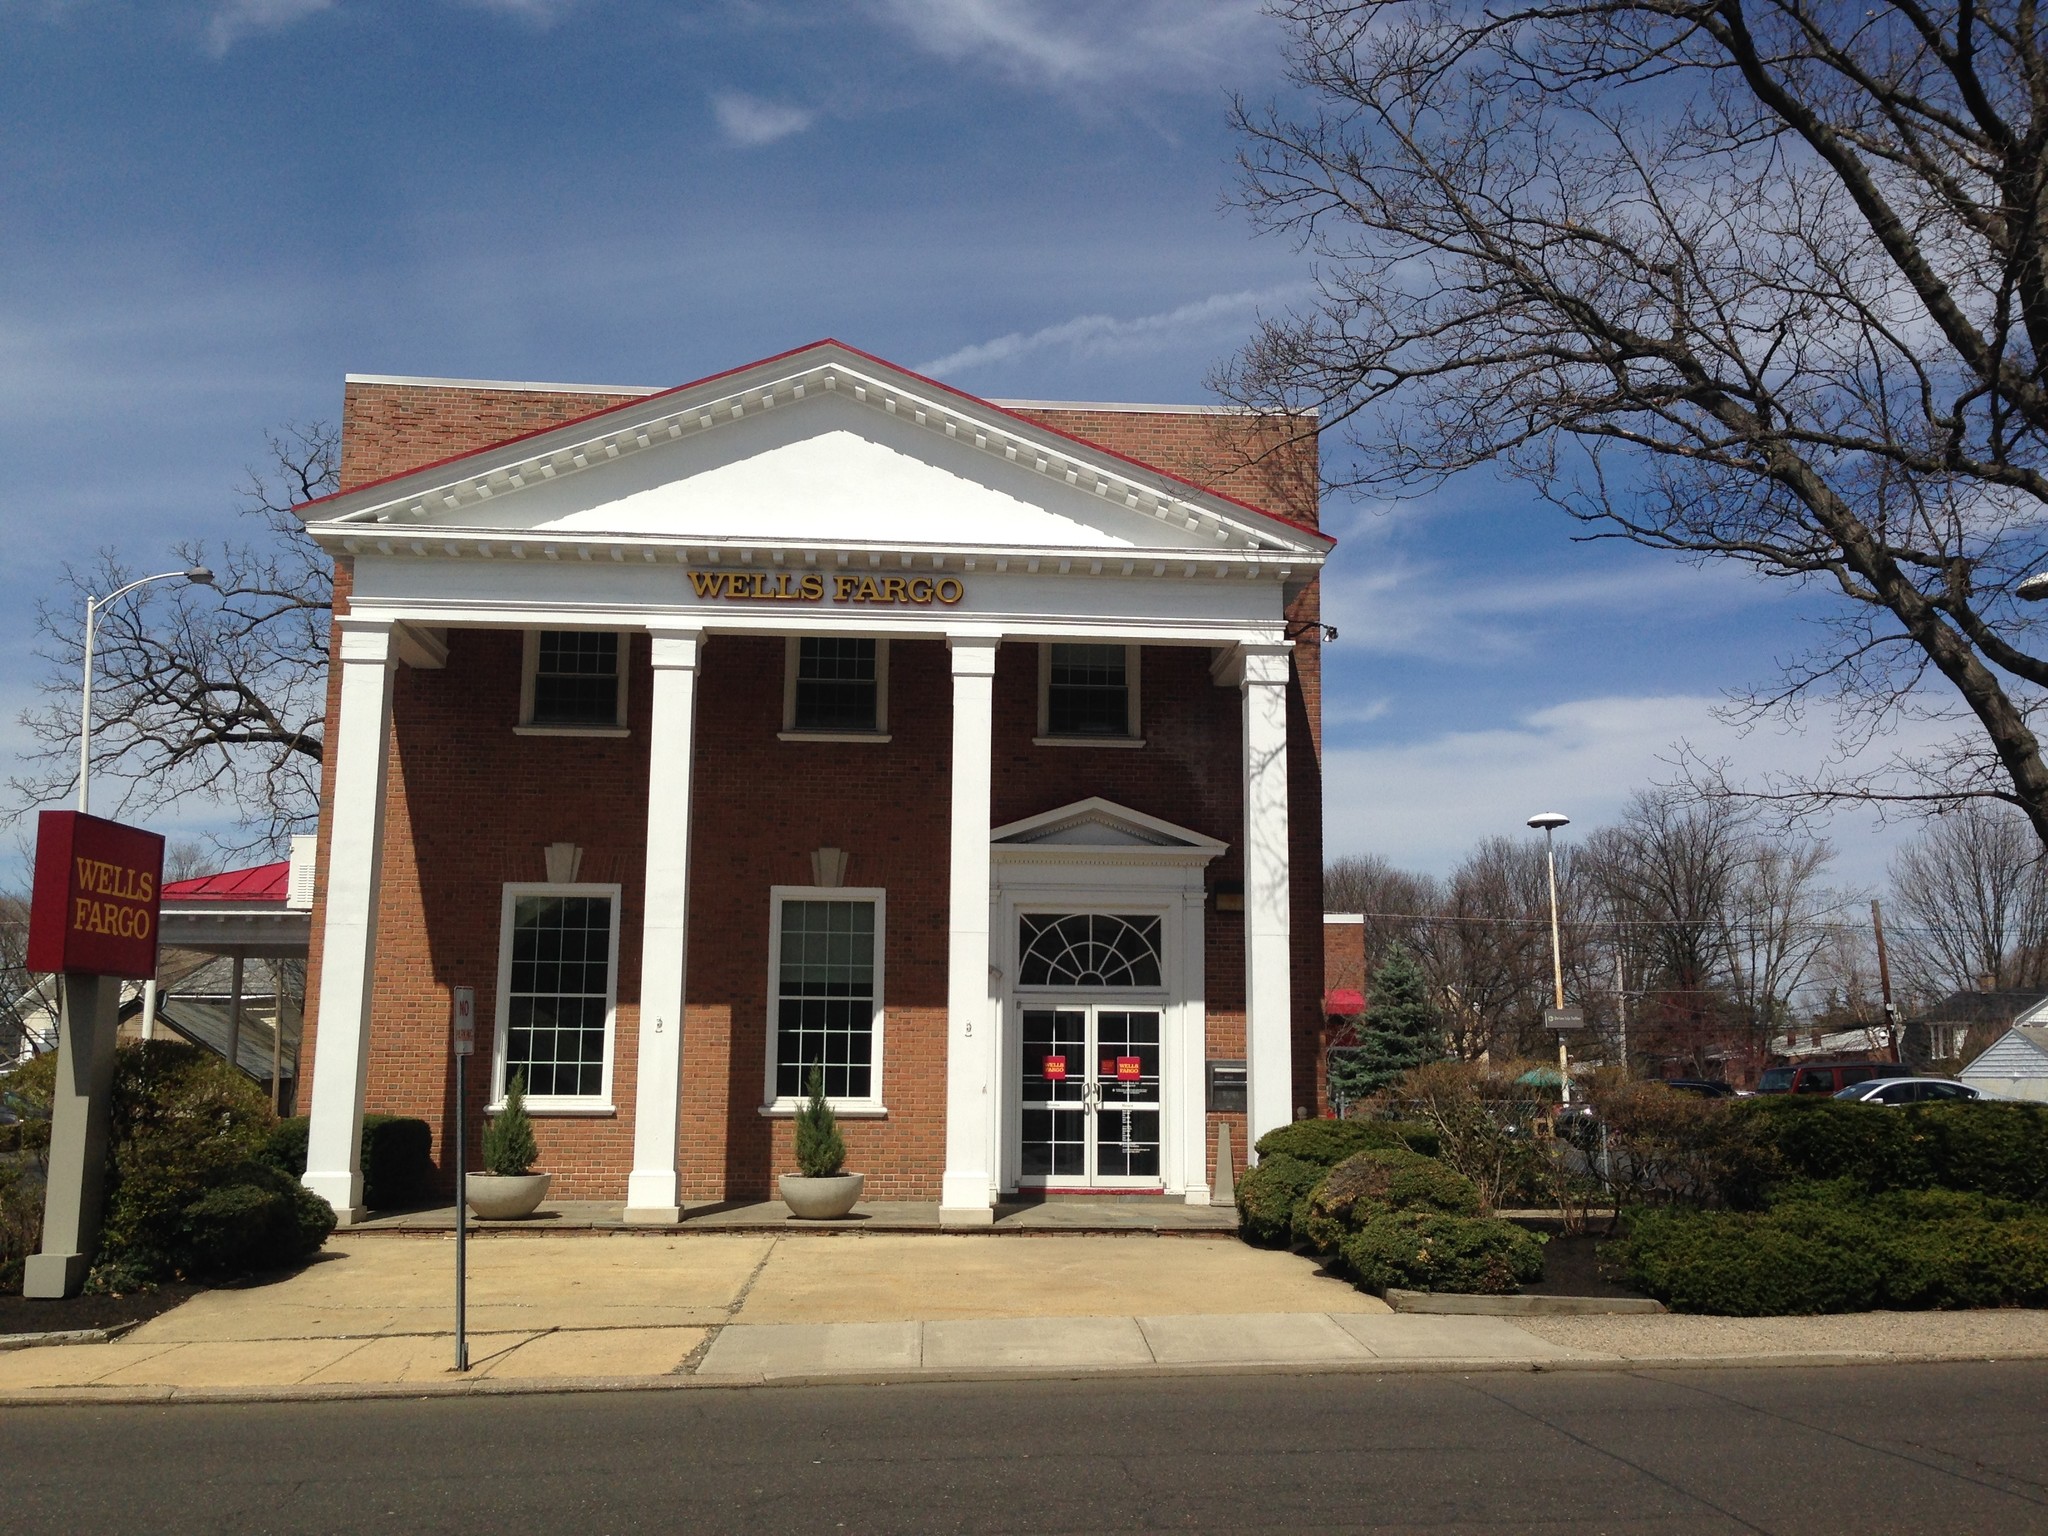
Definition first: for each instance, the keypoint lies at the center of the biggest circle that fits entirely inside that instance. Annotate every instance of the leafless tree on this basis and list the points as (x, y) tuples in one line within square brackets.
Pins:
[(215, 695), (1763, 281), (1392, 901), (1779, 925), (1971, 898)]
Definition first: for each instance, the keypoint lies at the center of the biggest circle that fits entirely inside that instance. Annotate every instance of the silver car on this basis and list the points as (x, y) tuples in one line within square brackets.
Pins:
[(1908, 1090)]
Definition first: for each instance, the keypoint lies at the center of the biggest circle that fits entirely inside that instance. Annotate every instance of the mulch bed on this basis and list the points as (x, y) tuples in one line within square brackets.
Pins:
[(1571, 1268), (20, 1314)]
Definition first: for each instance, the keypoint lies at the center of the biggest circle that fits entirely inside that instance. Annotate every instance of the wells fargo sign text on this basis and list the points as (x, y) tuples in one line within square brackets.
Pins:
[(811, 587), (94, 908)]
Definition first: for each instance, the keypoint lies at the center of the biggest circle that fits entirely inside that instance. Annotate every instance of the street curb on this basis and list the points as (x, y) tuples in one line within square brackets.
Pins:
[(534, 1386), (65, 1336)]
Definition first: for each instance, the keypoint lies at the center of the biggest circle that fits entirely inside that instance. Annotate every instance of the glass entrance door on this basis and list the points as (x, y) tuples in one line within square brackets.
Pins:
[(1089, 1084)]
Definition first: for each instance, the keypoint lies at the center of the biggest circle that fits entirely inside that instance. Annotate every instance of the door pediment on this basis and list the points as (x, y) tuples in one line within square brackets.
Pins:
[(1103, 827)]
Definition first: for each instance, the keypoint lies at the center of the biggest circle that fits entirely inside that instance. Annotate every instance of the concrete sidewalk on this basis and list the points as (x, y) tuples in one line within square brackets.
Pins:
[(374, 1317)]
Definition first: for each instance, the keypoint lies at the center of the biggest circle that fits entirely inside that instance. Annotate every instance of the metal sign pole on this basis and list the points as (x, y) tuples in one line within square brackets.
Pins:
[(464, 1010)]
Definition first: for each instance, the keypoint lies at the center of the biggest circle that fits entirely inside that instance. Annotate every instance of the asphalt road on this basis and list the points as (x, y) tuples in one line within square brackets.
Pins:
[(1851, 1449)]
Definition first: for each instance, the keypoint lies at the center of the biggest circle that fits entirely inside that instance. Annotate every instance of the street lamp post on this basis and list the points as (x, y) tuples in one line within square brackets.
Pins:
[(199, 576), (1549, 822)]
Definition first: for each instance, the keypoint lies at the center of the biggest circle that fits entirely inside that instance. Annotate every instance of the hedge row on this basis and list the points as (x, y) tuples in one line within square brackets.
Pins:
[(1982, 1148), (1832, 1248), (398, 1157)]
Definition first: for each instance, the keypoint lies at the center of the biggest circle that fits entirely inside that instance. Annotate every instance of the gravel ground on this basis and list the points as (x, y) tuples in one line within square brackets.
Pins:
[(2002, 1335)]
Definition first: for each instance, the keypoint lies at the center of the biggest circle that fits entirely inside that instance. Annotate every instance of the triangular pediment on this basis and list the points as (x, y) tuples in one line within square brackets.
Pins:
[(1100, 824), (821, 446)]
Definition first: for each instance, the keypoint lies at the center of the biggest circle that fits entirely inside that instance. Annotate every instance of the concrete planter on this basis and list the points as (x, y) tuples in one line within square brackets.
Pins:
[(821, 1199), (503, 1197)]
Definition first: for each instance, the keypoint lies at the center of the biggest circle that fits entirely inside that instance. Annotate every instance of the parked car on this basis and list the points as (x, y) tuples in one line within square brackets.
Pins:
[(1909, 1090), (1705, 1087), (1823, 1076)]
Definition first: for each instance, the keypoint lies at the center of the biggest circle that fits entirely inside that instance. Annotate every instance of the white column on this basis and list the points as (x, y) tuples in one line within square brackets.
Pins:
[(1268, 957), (348, 950), (1193, 1090), (652, 1193), (967, 1195)]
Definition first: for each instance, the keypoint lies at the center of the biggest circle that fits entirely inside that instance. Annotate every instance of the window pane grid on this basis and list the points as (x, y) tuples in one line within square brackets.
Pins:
[(1088, 691), (559, 994), (576, 678), (836, 685), (1089, 949), (825, 998)]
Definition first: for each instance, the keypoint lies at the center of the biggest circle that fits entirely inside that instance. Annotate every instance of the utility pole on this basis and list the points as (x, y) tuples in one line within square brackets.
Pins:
[(1884, 980)]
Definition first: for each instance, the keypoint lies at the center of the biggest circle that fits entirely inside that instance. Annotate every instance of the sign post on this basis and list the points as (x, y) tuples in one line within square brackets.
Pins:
[(462, 1010), (93, 920)]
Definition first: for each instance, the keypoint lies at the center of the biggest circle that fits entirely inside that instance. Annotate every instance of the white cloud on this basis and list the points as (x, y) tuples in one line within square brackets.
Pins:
[(749, 122), (1107, 336), (1424, 803), (236, 19), (1389, 605), (1075, 43)]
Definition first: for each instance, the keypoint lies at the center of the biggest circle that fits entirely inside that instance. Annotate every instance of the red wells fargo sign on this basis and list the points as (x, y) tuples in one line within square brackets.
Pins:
[(96, 891)]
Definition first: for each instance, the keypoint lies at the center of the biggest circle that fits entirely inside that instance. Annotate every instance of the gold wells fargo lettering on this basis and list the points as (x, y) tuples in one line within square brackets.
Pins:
[(112, 899), (809, 587)]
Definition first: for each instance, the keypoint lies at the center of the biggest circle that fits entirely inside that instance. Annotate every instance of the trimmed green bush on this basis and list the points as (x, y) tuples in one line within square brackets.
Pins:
[(1825, 1248), (1370, 1184), (1268, 1194), (1423, 1251), (1329, 1142), (398, 1161), (285, 1147)]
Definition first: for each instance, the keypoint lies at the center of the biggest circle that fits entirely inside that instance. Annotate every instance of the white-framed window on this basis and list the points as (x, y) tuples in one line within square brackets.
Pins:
[(825, 996), (1088, 695), (558, 989), (1069, 951), (835, 688), (572, 682)]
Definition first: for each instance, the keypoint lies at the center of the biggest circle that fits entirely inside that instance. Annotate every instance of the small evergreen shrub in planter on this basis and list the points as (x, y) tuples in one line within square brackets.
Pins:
[(509, 1189), (818, 1191), (1423, 1251), (1268, 1194), (1329, 1142)]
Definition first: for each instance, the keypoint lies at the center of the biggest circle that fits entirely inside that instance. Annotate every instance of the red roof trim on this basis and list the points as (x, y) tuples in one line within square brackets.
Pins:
[(726, 373), (263, 882)]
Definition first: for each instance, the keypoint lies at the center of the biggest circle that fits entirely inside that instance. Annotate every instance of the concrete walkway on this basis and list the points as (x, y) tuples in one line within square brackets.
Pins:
[(1134, 1214), (373, 1316)]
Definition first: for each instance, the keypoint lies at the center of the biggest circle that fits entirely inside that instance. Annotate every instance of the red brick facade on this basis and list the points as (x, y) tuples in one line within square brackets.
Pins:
[(471, 805)]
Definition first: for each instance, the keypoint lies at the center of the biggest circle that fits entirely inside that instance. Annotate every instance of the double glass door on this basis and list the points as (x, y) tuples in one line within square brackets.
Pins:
[(1089, 1085)]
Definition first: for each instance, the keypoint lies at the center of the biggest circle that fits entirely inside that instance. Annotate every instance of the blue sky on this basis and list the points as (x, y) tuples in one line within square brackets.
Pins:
[(219, 207)]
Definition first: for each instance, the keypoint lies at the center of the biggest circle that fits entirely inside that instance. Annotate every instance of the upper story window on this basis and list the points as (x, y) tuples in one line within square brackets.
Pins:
[(836, 688), (574, 681), (1088, 693)]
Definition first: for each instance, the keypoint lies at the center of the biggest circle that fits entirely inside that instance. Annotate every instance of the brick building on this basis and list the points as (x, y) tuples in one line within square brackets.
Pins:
[(819, 714)]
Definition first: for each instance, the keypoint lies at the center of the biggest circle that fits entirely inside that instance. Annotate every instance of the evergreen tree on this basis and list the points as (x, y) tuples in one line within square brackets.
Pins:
[(1401, 1031), (508, 1139), (820, 1149)]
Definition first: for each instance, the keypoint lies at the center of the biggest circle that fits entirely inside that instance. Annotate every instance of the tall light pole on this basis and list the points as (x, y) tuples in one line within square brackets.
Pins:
[(199, 576), (1549, 822)]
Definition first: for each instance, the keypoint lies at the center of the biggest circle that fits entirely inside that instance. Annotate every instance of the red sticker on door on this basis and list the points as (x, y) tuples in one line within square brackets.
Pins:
[(1129, 1069), (1055, 1069)]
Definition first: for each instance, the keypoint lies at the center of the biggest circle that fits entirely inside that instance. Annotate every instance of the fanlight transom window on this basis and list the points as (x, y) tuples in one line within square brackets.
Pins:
[(1089, 949)]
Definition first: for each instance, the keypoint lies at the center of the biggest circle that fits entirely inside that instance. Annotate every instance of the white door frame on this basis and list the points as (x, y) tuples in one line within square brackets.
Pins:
[(1099, 857)]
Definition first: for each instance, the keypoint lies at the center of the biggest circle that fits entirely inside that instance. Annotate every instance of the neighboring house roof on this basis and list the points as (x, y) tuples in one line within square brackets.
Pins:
[(205, 1023), (2004, 1005), (2019, 1052)]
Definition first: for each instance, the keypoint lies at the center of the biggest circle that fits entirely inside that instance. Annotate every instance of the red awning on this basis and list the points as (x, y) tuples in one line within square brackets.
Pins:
[(1342, 1002), (265, 882)]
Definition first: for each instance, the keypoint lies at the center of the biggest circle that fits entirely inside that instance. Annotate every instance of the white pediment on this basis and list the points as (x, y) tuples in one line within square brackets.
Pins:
[(823, 446), (1103, 825)]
